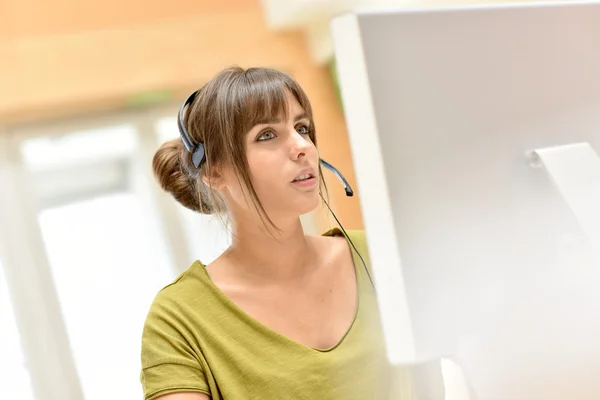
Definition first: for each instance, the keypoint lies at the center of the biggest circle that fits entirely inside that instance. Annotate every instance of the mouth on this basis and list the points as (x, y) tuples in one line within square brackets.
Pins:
[(304, 177), (307, 179)]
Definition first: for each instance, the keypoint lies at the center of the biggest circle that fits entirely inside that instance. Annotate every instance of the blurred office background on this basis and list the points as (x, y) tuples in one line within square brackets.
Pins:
[(88, 91)]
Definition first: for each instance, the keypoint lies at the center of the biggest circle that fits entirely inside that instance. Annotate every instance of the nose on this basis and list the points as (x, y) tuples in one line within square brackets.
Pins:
[(300, 145)]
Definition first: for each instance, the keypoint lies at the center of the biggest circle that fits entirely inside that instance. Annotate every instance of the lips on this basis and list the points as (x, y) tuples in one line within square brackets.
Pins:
[(304, 175)]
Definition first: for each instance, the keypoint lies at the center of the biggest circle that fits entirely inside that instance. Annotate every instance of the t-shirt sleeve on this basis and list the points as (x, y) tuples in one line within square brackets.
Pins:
[(170, 363)]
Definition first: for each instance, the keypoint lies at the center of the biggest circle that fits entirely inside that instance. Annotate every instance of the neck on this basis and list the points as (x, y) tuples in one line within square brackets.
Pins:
[(270, 254)]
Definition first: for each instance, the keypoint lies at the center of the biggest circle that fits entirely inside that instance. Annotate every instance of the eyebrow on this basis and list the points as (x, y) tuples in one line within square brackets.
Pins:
[(278, 120)]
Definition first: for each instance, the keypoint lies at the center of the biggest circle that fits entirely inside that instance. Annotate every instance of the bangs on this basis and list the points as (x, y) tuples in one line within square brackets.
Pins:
[(262, 98)]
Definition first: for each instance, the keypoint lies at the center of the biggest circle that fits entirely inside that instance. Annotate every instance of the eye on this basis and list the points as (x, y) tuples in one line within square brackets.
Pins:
[(267, 135), (303, 129)]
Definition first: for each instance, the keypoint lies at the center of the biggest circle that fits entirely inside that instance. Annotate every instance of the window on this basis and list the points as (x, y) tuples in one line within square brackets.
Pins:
[(13, 368), (107, 255), (106, 271)]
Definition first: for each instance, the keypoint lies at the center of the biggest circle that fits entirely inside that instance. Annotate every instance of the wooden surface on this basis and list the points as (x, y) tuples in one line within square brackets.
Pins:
[(59, 59)]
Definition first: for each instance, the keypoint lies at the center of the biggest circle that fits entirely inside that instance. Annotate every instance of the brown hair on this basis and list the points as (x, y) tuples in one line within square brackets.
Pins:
[(223, 111)]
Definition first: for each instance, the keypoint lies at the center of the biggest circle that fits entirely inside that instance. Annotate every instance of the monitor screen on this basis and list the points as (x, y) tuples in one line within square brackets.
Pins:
[(475, 133)]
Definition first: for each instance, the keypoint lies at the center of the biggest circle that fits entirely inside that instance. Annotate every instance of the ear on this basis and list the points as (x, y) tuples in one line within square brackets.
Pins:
[(214, 179)]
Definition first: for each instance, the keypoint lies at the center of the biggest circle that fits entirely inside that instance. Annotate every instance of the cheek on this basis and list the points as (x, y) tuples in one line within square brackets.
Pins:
[(265, 172)]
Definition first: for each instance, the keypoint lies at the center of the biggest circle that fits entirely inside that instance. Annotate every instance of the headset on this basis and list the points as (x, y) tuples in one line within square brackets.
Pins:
[(199, 154)]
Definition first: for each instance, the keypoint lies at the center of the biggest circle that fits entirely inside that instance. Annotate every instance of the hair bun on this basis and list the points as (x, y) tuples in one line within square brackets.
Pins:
[(176, 178)]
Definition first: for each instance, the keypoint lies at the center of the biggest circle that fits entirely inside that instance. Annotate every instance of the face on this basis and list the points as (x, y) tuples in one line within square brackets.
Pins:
[(283, 165)]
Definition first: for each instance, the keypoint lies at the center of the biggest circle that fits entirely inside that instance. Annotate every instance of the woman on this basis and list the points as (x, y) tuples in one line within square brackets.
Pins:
[(279, 314)]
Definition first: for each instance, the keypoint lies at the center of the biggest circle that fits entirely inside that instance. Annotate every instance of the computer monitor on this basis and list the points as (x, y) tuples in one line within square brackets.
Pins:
[(475, 133)]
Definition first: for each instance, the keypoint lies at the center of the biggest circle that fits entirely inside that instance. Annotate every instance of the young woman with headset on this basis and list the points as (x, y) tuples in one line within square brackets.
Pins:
[(280, 314)]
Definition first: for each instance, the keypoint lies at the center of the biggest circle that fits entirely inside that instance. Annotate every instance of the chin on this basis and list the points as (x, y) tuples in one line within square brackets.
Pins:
[(308, 205), (292, 204)]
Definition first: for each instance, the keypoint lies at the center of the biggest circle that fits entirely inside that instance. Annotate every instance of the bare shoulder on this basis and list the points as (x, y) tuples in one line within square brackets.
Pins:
[(333, 248), (344, 249)]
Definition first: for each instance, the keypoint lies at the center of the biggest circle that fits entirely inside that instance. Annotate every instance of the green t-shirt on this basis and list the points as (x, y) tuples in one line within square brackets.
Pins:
[(197, 340)]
